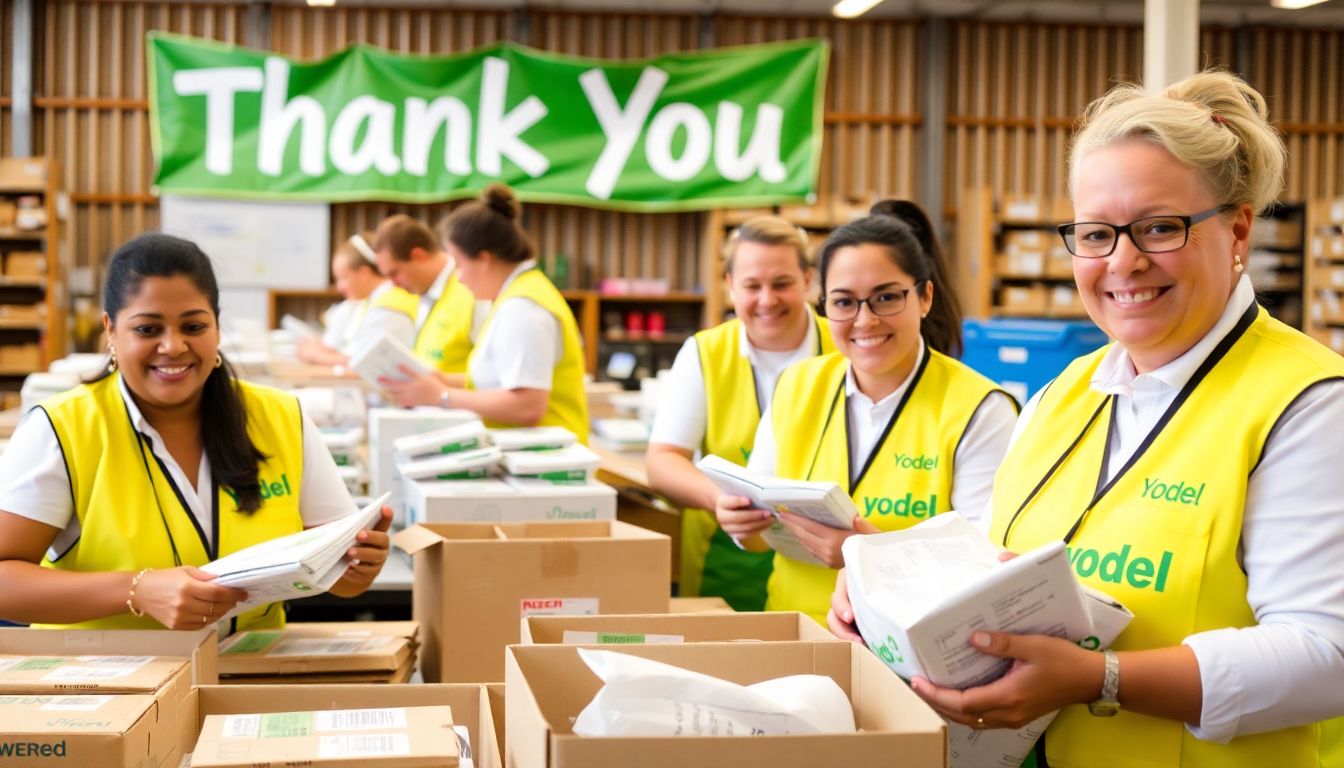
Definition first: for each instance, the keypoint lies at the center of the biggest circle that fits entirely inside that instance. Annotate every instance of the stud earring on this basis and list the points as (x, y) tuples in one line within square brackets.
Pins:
[(1236, 263), (112, 359), (219, 359)]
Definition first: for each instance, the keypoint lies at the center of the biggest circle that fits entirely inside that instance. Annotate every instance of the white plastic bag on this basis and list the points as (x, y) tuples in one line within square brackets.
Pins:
[(642, 697)]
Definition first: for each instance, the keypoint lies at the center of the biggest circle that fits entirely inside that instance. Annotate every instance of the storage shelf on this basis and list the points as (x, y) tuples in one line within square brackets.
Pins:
[(666, 298), (1053, 314), (23, 282), (21, 325), (666, 338), (23, 235)]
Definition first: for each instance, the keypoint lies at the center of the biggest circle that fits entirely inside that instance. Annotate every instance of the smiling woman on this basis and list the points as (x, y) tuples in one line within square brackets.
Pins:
[(113, 493)]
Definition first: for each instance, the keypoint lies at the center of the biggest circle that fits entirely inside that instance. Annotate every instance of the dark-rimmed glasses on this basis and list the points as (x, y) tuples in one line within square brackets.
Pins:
[(882, 304), (1151, 234)]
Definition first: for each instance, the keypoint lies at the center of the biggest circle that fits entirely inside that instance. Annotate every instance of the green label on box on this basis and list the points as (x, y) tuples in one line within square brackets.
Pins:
[(341, 459), (563, 476), (470, 474), (464, 445), (286, 725), (28, 664), (252, 642), (621, 638), (542, 448)]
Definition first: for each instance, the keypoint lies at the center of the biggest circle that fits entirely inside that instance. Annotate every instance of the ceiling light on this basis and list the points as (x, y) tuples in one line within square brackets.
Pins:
[(848, 9), (322, 3), (1293, 5)]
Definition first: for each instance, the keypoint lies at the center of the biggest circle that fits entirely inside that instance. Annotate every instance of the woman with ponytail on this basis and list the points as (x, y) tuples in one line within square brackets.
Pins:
[(891, 416), (114, 493), (527, 366)]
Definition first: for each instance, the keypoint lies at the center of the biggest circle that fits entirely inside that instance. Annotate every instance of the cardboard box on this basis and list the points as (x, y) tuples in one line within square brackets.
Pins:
[(474, 706), (31, 313), (407, 629), (1027, 209), (507, 499), (698, 605), (1020, 299), (21, 356), (25, 264), (88, 673), (386, 425), (287, 652), (23, 174), (474, 581), (391, 737), (1064, 299), (95, 727), (671, 628), (548, 685)]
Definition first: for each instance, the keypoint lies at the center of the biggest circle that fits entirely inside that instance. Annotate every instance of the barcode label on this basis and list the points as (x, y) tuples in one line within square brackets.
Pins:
[(359, 719), (463, 747), (75, 703), (364, 745), (315, 647), (88, 673), (241, 727), (572, 637)]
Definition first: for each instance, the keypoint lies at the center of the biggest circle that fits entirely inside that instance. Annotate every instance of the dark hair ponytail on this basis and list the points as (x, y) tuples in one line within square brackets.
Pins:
[(489, 224), (234, 459), (906, 232)]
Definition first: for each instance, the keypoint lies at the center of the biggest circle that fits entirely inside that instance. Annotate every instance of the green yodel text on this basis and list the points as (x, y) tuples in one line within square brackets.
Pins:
[(922, 462), (1177, 492), (906, 506), (269, 489), (1119, 567)]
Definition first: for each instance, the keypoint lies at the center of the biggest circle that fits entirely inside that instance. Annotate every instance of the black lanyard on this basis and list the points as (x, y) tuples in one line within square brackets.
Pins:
[(211, 550), (1219, 352)]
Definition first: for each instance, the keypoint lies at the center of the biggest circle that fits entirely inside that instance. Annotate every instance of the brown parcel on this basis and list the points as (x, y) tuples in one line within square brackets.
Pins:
[(671, 628), (100, 730), (201, 646), (474, 581), (698, 605), (25, 264), (87, 674), (289, 652), (479, 709), (546, 686), (406, 629)]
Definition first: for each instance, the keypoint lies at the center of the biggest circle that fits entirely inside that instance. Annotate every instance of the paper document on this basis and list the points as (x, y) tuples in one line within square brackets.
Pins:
[(382, 357), (301, 564), (460, 437), (463, 465), (825, 503), (532, 438), (573, 463), (300, 328), (919, 593)]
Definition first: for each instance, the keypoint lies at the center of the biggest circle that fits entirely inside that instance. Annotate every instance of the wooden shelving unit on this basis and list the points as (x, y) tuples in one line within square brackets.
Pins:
[(1323, 272), (33, 314), (1276, 261)]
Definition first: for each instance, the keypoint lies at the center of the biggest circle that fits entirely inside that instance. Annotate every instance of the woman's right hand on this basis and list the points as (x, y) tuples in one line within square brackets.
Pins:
[(840, 619), (184, 598), (739, 519)]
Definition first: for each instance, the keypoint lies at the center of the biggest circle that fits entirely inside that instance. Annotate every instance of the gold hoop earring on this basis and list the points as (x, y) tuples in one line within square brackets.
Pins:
[(112, 359), (1236, 263), (219, 360)]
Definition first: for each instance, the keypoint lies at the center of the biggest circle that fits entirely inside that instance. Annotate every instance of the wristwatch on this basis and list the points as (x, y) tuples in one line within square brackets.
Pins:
[(1109, 703), (443, 398)]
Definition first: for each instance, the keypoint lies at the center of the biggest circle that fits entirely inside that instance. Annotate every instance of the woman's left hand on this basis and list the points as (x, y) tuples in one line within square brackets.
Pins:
[(1047, 674), (823, 541), (415, 389), (366, 558)]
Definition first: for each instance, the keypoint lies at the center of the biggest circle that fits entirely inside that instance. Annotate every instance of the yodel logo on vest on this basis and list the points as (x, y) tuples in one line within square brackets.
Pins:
[(269, 489), (905, 506), (1180, 492), (920, 463), (1119, 567)]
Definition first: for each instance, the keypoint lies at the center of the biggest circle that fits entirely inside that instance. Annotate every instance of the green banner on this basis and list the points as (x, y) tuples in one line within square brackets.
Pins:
[(724, 127)]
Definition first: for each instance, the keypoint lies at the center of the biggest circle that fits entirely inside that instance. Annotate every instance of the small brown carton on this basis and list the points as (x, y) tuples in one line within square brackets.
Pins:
[(85, 729), (672, 628), (291, 652), (25, 264)]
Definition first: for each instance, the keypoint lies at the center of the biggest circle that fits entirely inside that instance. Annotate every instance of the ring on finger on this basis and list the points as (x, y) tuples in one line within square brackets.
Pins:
[(979, 724)]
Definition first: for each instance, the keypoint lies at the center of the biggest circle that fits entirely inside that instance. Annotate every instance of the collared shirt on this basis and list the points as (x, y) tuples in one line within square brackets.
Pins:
[(435, 291), (380, 321), (34, 482), (521, 347), (680, 420), (978, 454), (1286, 669)]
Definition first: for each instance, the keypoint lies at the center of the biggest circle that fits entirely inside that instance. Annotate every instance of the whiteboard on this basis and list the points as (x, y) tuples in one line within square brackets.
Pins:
[(255, 244)]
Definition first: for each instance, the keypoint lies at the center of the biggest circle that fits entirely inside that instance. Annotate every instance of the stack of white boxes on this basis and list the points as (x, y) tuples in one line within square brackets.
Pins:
[(469, 473), (339, 415), (386, 426)]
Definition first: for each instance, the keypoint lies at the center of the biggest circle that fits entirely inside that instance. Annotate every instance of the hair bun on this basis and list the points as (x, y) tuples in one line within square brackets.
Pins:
[(500, 199)]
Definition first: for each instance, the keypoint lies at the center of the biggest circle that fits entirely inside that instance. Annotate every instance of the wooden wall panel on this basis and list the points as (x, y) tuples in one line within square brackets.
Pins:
[(1298, 71), (311, 33)]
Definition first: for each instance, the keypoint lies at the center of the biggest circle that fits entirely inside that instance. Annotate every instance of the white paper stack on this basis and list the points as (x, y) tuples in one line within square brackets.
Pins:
[(825, 503), (622, 434), (532, 438), (386, 426), (333, 406), (382, 357), (302, 564), (454, 439), (462, 465), (571, 464), (300, 328)]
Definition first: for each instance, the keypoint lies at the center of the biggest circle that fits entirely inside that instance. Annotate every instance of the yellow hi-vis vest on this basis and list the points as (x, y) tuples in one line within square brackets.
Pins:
[(120, 491), (908, 476), (397, 300), (568, 404), (1162, 537), (444, 339), (711, 564)]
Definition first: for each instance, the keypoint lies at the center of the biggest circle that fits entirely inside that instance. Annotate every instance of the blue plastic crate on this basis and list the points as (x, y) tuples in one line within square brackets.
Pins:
[(1024, 355)]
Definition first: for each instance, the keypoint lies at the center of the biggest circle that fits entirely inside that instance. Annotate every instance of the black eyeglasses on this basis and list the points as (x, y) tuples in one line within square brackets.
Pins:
[(883, 304), (1151, 234)]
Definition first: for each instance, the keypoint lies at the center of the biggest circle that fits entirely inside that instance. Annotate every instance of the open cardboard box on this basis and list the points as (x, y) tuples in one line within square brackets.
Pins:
[(473, 705), (672, 628), (90, 728), (474, 581), (548, 685)]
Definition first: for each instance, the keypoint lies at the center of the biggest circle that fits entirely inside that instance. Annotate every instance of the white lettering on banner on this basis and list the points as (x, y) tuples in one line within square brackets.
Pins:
[(423, 119), (497, 135), (279, 114), (376, 151), (621, 127), (762, 152), (558, 606), (658, 144), (218, 85)]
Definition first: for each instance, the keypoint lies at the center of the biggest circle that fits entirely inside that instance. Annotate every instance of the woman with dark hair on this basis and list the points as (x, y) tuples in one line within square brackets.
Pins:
[(527, 366), (891, 416), (113, 493)]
